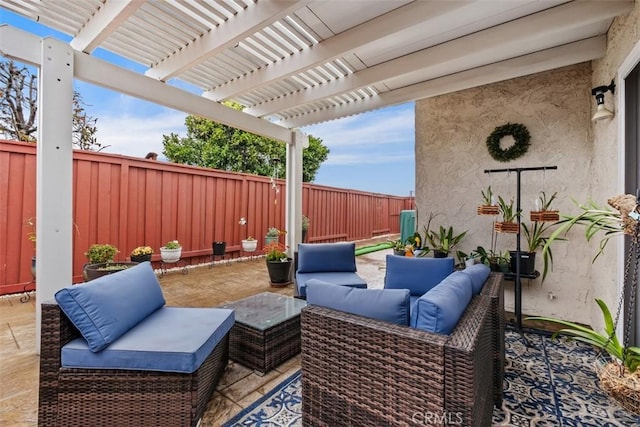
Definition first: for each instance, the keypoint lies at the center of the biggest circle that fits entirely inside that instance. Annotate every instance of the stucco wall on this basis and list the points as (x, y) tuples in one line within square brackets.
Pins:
[(556, 106)]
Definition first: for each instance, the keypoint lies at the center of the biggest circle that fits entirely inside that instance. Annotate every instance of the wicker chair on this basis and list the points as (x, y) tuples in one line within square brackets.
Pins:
[(493, 290), (358, 371), (99, 397)]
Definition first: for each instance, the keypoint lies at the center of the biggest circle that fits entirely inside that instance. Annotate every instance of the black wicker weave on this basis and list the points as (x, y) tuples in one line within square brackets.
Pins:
[(494, 290), (358, 371), (100, 397)]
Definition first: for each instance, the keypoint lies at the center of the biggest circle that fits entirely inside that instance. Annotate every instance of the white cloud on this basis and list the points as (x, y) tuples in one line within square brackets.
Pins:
[(135, 135)]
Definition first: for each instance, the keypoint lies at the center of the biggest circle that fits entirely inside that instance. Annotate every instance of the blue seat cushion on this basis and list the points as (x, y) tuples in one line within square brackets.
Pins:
[(478, 274), (107, 307), (389, 305), (440, 309), (336, 278), (325, 257), (171, 339), (418, 274)]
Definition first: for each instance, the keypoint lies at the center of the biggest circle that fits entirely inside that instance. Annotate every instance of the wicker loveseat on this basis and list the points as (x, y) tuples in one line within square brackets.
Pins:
[(162, 370), (360, 371)]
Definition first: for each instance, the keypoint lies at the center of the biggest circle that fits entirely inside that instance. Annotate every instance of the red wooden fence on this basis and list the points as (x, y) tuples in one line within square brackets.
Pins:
[(129, 202)]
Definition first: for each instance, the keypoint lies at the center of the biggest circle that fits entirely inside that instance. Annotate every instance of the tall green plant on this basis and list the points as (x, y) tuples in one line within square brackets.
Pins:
[(509, 213), (444, 239), (535, 236), (629, 356)]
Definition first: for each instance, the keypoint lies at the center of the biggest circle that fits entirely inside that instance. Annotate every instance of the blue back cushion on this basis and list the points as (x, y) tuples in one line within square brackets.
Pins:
[(440, 309), (334, 277), (319, 257), (478, 274), (418, 275), (381, 304), (107, 307)]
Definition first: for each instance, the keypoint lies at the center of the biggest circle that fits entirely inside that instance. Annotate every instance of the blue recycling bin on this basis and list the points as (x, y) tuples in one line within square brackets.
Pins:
[(407, 224)]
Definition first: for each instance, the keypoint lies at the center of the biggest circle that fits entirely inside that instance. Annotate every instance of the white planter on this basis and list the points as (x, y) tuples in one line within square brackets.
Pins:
[(170, 255), (249, 245)]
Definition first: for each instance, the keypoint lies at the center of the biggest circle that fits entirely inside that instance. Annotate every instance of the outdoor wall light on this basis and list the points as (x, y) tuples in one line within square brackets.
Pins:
[(602, 112)]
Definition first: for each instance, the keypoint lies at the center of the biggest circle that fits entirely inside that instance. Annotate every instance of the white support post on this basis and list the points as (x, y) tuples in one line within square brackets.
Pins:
[(293, 207), (54, 204)]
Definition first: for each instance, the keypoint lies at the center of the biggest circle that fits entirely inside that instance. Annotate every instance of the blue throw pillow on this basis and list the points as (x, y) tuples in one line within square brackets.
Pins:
[(390, 305), (440, 309), (478, 274), (319, 257), (107, 307), (418, 275)]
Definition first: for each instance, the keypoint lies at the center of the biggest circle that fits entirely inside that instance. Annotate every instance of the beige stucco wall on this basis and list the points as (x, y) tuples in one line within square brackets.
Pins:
[(556, 106)]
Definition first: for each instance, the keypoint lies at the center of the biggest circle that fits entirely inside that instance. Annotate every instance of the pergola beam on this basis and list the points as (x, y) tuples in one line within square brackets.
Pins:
[(226, 35), (572, 53)]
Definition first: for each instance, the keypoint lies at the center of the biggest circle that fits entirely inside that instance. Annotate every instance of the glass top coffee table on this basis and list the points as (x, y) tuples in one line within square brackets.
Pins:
[(266, 332)]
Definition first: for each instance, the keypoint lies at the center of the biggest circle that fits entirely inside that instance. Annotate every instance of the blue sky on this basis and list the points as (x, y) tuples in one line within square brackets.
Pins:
[(371, 151)]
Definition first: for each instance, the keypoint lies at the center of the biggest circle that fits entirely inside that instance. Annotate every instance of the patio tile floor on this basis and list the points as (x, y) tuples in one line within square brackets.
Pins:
[(201, 287)]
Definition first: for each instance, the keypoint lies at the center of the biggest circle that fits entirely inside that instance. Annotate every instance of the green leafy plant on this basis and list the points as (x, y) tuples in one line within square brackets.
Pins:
[(629, 357), (98, 253), (172, 244), (534, 234), (509, 213), (595, 219), (305, 222), (273, 232), (415, 241), (487, 197), (397, 245), (444, 239), (545, 204), (275, 252)]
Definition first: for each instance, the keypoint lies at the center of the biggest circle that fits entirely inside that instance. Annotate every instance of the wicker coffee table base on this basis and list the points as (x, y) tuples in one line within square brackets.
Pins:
[(264, 350)]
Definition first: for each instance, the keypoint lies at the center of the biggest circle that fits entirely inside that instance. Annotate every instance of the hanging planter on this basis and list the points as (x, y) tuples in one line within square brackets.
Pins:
[(542, 213), (488, 210), (506, 227), (622, 385)]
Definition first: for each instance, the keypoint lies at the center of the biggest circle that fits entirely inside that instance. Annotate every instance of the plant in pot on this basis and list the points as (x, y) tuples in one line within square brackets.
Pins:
[(542, 211), (509, 215), (488, 206), (101, 261), (443, 241), (171, 252), (141, 254), (278, 264), (249, 244), (536, 237), (31, 236), (495, 260), (398, 247), (273, 235)]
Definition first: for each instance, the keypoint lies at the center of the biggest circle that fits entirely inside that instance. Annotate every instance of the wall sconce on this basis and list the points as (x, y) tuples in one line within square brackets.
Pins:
[(602, 112)]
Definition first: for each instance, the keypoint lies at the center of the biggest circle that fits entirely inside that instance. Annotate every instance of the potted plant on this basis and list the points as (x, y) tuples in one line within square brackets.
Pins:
[(171, 252), (509, 215), (536, 237), (273, 234), (495, 260), (488, 206), (141, 254), (305, 227), (31, 235), (249, 244), (443, 241), (219, 248), (278, 263), (618, 376), (101, 261), (542, 211), (398, 247)]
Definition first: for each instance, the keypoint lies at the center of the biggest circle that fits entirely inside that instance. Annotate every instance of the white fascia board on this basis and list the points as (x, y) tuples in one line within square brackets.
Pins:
[(110, 16), (395, 21), (256, 17), (557, 57), (492, 45)]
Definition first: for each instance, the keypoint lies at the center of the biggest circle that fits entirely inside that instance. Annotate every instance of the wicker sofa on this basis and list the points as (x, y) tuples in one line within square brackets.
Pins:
[(161, 371), (360, 371)]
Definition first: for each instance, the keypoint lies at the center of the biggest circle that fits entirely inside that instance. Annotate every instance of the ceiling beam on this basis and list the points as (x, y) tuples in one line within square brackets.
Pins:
[(562, 25), (390, 23), (20, 45), (548, 59), (256, 17), (110, 16)]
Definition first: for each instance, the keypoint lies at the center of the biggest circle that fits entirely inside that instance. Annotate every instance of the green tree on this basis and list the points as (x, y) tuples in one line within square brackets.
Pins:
[(19, 107), (214, 145)]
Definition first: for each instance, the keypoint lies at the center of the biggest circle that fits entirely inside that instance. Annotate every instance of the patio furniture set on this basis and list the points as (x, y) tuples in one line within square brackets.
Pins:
[(112, 352)]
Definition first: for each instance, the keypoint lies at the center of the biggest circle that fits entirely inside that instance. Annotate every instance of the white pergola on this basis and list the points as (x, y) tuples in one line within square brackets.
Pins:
[(289, 63)]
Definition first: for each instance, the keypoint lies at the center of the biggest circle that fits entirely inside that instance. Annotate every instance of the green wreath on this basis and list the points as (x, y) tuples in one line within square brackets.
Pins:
[(518, 132)]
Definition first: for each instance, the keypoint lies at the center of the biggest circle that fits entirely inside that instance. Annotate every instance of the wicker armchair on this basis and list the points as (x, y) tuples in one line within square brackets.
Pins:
[(358, 371), (100, 397), (493, 290)]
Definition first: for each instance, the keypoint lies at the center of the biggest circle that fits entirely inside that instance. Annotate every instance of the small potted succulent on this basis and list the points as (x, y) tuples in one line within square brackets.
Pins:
[(273, 234), (141, 254), (249, 244), (101, 262), (171, 251)]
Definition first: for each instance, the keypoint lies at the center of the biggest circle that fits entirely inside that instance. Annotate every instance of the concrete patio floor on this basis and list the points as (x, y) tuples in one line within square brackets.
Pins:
[(201, 287)]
